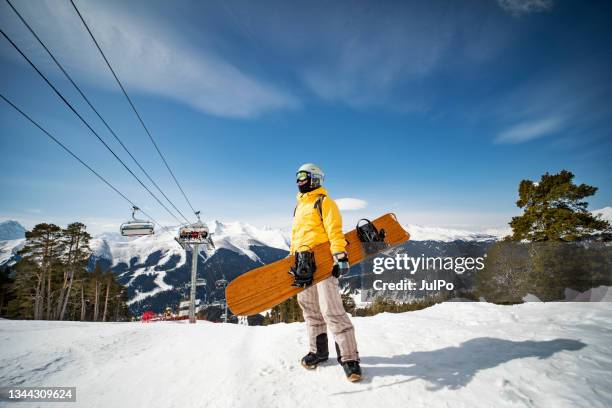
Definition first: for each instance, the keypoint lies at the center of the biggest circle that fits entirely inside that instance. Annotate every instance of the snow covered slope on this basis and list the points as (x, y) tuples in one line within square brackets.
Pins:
[(450, 355), (8, 250)]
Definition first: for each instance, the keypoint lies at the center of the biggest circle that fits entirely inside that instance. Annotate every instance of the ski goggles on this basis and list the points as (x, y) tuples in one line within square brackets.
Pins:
[(302, 175)]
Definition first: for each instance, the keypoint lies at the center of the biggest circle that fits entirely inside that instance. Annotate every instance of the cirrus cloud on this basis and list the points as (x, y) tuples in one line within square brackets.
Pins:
[(530, 130), (518, 8), (149, 55)]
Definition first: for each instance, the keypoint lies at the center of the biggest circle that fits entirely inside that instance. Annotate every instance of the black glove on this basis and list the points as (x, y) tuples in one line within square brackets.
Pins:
[(341, 264)]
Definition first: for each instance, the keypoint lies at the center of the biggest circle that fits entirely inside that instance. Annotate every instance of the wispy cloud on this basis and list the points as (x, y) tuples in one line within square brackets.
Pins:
[(375, 51), (570, 102), (529, 130), (376, 54), (149, 58), (349, 204), (519, 8)]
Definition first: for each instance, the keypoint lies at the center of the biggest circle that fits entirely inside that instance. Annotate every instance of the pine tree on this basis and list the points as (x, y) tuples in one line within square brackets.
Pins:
[(95, 286), (554, 210), (5, 285), (75, 257), (122, 311), (555, 215), (288, 311), (51, 280), (42, 249), (349, 303), (266, 320), (505, 276), (107, 279), (23, 290)]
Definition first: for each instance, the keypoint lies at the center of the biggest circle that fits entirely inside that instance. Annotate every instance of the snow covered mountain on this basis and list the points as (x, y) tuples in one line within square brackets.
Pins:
[(10, 230), (449, 355), (433, 233), (8, 250), (426, 233), (155, 268), (605, 213)]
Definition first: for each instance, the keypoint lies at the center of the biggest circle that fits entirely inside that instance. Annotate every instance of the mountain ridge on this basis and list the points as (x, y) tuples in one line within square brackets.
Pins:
[(155, 269), (10, 230)]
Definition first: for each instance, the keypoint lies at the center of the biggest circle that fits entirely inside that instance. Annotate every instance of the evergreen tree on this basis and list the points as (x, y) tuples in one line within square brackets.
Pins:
[(544, 255), (287, 312), (267, 320), (95, 286), (75, 257), (51, 280), (555, 210), (349, 303), (122, 311), (6, 282), (23, 290), (43, 248), (505, 276)]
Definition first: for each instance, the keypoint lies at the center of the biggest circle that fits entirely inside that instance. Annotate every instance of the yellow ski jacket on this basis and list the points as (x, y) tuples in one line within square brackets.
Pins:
[(308, 227)]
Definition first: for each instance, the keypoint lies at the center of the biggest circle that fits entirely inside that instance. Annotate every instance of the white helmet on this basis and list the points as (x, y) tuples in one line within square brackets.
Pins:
[(314, 172)]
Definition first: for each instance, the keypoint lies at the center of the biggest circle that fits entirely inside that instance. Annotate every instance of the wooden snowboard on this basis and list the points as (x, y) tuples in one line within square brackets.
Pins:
[(265, 287)]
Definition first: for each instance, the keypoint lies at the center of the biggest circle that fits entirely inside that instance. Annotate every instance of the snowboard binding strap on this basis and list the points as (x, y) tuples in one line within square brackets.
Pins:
[(370, 237), (304, 268)]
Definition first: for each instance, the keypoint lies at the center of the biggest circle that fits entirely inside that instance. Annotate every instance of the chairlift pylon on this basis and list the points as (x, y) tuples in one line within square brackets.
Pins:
[(136, 227)]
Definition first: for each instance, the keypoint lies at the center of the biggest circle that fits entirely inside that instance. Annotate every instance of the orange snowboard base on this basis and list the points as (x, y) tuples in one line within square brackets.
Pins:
[(265, 287)]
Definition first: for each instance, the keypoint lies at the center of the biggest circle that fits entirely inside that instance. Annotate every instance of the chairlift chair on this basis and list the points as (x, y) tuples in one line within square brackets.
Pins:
[(221, 283), (197, 233), (136, 227)]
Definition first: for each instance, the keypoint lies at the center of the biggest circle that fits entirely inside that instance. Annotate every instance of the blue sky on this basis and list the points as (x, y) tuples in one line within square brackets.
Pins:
[(434, 110)]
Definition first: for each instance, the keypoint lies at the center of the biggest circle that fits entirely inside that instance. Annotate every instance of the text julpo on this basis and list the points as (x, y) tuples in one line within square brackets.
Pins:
[(413, 264)]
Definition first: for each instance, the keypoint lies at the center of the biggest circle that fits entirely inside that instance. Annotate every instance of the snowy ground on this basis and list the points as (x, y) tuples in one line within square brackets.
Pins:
[(451, 355)]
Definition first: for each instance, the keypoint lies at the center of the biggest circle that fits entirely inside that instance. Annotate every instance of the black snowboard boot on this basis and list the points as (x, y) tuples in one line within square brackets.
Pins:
[(311, 360), (352, 370)]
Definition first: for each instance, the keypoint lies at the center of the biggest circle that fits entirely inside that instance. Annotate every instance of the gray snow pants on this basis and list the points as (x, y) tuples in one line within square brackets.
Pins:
[(322, 306)]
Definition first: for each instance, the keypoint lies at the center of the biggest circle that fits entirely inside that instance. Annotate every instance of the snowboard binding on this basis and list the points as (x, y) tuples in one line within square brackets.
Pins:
[(371, 238), (304, 268)]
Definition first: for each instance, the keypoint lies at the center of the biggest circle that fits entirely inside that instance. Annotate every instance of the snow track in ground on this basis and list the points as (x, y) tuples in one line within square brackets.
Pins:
[(454, 354)]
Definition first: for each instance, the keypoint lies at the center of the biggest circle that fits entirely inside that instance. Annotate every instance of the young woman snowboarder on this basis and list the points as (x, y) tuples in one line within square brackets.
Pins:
[(318, 220)]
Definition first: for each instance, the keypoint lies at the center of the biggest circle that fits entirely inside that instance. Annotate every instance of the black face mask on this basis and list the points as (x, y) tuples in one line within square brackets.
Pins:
[(306, 187)]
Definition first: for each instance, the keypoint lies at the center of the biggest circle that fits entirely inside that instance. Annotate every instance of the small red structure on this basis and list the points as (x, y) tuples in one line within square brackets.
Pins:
[(147, 316)]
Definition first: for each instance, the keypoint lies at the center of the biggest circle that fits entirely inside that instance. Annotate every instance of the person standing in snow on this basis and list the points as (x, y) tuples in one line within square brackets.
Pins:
[(317, 220)]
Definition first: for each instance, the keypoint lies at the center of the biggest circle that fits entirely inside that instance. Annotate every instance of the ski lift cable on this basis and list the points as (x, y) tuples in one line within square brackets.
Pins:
[(92, 107), (131, 104), (63, 146), (86, 123)]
